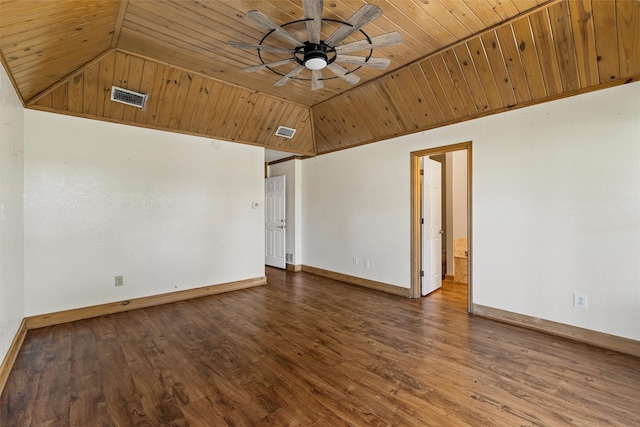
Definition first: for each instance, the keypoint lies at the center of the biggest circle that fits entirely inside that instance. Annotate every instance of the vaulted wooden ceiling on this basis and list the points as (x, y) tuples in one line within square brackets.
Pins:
[(458, 60)]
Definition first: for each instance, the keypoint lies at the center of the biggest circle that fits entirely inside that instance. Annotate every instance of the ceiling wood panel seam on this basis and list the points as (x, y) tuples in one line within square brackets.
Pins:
[(122, 10)]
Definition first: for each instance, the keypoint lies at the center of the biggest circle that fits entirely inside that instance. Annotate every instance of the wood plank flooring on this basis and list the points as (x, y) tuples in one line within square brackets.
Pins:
[(309, 351)]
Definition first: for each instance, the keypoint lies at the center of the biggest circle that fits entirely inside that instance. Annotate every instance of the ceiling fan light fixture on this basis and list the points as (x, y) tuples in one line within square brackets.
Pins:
[(315, 56), (316, 63)]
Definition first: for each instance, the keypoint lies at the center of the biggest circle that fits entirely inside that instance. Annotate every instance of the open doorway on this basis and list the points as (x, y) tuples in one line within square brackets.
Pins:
[(456, 246)]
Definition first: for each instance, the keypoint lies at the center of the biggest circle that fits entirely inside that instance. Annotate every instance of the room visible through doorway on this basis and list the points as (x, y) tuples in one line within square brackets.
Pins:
[(441, 241)]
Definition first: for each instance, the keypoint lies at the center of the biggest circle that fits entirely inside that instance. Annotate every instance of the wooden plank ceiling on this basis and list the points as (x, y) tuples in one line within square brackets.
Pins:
[(458, 60)]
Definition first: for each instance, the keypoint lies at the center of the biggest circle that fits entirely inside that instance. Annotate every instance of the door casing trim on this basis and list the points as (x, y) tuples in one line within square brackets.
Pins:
[(416, 202)]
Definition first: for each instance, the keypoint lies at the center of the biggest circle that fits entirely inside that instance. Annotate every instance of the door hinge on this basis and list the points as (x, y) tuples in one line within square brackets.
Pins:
[(421, 273), (421, 171), (422, 221)]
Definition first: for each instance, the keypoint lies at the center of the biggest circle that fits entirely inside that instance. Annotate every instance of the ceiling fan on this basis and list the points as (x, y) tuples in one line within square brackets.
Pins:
[(315, 54)]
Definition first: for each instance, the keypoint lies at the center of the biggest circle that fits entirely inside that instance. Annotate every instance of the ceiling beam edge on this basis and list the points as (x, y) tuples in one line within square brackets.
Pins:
[(122, 10), (601, 86), (296, 153)]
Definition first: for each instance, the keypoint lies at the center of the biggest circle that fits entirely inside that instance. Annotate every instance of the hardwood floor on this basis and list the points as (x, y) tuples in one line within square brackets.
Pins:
[(306, 350)]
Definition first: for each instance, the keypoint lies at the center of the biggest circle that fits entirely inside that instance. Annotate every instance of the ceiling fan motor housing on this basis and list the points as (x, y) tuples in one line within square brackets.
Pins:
[(316, 56)]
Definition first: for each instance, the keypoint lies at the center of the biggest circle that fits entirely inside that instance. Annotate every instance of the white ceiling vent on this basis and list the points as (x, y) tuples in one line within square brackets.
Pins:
[(129, 97), (285, 132)]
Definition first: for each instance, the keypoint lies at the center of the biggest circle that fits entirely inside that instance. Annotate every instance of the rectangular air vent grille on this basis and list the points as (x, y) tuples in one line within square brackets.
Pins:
[(129, 97), (285, 132)]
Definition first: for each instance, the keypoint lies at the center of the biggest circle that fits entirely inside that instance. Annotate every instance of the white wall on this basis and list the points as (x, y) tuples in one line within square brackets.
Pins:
[(457, 201), (11, 213), (356, 204), (449, 212), (459, 193), (556, 209), (292, 169), (167, 211)]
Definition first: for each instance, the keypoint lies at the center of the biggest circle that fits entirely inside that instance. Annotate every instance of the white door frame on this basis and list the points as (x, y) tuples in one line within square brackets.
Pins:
[(416, 202)]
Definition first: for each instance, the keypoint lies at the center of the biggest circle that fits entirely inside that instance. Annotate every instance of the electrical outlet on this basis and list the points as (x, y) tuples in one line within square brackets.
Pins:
[(366, 263), (119, 280), (355, 260), (579, 300)]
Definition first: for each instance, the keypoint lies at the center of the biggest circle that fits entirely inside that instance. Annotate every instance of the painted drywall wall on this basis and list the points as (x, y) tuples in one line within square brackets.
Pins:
[(166, 211), (11, 213), (292, 169), (356, 209), (556, 209), (449, 210), (456, 188), (459, 193)]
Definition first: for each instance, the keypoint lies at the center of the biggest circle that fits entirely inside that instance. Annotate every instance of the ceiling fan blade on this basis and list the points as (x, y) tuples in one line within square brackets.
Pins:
[(290, 74), (359, 19), (343, 73), (268, 64), (377, 63), (313, 11), (383, 40), (248, 46), (261, 19), (316, 80)]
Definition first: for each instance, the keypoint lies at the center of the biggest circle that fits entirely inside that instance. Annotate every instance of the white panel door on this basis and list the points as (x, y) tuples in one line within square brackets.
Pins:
[(275, 221), (432, 225)]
